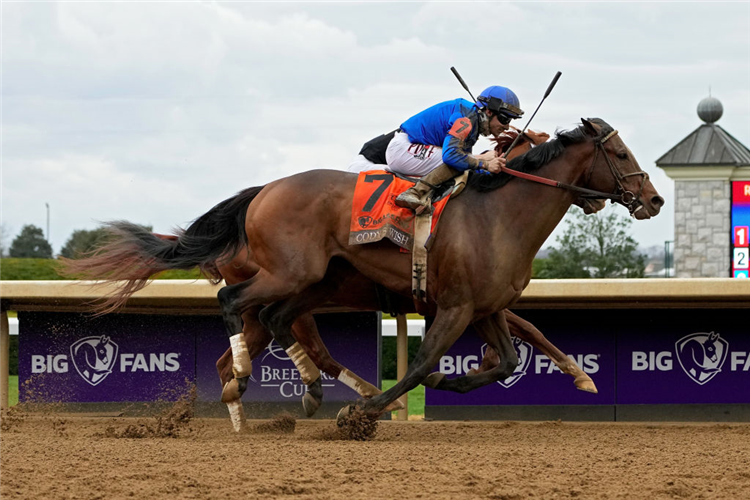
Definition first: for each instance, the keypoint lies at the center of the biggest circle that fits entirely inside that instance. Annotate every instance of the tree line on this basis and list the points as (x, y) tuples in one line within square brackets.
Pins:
[(31, 243), (592, 246)]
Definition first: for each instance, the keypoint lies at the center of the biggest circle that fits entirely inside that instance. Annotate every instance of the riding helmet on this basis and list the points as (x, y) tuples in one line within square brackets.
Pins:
[(500, 100)]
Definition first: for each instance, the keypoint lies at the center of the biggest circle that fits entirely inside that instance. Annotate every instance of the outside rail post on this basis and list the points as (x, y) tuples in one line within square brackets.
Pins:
[(402, 360), (4, 358)]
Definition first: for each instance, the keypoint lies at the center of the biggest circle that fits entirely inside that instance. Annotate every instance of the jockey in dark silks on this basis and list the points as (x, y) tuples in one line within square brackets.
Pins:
[(436, 143)]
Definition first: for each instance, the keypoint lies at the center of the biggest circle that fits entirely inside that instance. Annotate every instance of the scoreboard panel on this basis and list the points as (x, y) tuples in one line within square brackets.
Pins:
[(740, 227)]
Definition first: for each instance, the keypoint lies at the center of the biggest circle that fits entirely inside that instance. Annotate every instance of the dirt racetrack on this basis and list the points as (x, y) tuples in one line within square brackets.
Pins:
[(62, 456)]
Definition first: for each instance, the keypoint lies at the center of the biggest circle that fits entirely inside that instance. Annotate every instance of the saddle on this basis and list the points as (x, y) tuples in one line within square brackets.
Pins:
[(375, 216)]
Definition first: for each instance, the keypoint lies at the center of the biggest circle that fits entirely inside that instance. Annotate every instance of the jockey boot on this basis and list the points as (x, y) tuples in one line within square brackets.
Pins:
[(415, 196)]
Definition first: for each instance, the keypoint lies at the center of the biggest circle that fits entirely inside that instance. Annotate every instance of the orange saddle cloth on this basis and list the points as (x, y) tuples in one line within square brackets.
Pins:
[(375, 215)]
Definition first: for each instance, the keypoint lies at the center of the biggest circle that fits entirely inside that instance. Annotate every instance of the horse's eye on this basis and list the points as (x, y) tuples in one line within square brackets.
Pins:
[(622, 156)]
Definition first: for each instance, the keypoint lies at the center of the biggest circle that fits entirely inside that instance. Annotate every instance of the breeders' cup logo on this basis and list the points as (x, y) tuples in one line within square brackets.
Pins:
[(93, 358), (275, 350), (523, 351), (278, 371), (702, 355), (365, 221)]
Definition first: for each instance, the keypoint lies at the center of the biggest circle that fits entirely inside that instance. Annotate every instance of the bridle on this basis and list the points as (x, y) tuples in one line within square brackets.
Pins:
[(621, 195)]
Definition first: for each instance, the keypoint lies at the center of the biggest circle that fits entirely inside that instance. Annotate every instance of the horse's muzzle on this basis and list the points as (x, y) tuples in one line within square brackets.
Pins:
[(650, 208)]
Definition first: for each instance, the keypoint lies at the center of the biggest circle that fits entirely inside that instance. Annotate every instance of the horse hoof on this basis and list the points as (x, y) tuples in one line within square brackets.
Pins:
[(310, 404), (586, 384), (433, 380), (395, 406), (231, 392), (343, 413)]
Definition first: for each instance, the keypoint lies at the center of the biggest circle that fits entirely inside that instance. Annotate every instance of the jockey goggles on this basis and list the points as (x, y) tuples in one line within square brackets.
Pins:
[(503, 118)]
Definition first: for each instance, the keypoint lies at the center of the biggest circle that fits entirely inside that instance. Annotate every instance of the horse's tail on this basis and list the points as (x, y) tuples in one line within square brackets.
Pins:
[(132, 255)]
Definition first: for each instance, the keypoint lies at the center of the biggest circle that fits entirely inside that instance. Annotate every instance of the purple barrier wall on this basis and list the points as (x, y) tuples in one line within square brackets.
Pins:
[(635, 357), (72, 358), (689, 357)]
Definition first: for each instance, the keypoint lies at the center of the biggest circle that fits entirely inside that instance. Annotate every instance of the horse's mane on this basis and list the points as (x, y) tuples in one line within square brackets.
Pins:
[(537, 157)]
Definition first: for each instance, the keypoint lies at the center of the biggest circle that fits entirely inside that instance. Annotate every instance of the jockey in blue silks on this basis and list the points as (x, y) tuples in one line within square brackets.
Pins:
[(436, 144)]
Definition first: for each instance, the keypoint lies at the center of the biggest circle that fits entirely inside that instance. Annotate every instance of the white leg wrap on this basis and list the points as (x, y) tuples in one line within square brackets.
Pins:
[(237, 414), (352, 380), (241, 364), (307, 369)]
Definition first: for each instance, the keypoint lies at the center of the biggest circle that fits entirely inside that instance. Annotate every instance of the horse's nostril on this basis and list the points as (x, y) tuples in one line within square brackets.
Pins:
[(657, 201)]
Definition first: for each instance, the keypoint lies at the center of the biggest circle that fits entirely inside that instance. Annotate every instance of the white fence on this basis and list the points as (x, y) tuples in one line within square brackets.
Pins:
[(415, 328)]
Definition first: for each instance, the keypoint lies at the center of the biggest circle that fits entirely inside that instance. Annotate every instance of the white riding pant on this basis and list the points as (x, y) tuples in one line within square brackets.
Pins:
[(403, 157), (412, 159), (362, 164)]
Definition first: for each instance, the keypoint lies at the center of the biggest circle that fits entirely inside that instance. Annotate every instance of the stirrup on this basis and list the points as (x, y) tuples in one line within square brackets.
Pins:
[(425, 209)]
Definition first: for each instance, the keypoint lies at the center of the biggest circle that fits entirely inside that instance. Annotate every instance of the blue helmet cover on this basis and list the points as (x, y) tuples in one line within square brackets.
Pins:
[(509, 103)]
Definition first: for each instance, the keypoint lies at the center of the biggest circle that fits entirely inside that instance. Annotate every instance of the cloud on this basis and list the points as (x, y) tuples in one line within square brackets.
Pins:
[(180, 105)]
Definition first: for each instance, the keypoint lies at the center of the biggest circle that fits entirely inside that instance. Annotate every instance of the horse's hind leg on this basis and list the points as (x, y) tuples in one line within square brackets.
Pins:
[(263, 288), (305, 332), (529, 333), (256, 339), (278, 319), (242, 366), (493, 330)]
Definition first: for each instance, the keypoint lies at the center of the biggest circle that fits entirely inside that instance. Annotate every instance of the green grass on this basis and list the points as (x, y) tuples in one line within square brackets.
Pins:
[(46, 269), (416, 397), (12, 390)]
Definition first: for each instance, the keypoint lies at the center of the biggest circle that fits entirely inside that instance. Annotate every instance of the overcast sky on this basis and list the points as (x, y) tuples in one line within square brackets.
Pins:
[(154, 112)]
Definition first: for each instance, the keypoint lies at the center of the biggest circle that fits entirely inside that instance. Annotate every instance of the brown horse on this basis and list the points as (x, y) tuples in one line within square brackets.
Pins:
[(360, 293), (298, 230), (471, 281)]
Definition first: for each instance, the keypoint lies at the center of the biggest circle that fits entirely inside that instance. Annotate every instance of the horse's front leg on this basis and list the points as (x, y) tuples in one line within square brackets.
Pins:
[(490, 359), (493, 330), (529, 333), (449, 324)]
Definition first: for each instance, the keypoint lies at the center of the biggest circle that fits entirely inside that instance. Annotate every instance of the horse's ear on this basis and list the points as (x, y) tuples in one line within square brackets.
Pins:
[(713, 336), (589, 127), (516, 341)]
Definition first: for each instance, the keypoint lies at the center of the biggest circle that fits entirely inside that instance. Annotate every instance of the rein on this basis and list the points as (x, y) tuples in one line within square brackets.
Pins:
[(621, 195)]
